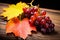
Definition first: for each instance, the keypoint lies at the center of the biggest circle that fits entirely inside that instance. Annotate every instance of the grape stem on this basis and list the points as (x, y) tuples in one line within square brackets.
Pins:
[(31, 2), (19, 16)]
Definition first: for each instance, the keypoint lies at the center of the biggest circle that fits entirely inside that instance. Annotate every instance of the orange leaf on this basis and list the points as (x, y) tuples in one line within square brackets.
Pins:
[(21, 29)]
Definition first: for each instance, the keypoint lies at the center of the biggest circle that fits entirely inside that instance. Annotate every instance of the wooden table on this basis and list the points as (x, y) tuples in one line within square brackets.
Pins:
[(54, 15)]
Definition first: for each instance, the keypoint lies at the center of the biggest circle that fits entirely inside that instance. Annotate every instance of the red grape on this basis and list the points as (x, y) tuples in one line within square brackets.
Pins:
[(43, 22), (31, 13), (28, 10), (52, 25), (30, 21), (46, 25), (31, 9), (36, 14), (39, 18), (43, 30), (36, 23), (43, 12), (47, 18), (49, 21), (32, 18), (35, 8), (24, 9)]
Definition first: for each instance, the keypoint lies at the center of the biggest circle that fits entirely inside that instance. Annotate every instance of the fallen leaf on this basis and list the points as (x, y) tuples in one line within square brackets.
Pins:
[(19, 28), (14, 10)]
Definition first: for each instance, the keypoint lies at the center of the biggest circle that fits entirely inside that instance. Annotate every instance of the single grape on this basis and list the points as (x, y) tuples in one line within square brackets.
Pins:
[(39, 18), (30, 21), (32, 18), (36, 14), (46, 25), (47, 18), (43, 22), (36, 23), (31, 13), (35, 8), (32, 9), (48, 30), (28, 10), (43, 30), (52, 25), (43, 12), (49, 21), (24, 9)]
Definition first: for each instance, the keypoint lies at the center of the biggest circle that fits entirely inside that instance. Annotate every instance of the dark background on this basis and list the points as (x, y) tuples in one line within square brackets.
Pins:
[(51, 4)]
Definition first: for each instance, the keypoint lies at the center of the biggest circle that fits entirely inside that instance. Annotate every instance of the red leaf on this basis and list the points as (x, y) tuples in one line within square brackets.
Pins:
[(22, 29)]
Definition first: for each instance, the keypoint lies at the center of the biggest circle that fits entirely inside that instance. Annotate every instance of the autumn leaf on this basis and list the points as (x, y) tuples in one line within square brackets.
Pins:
[(11, 24), (14, 10), (19, 28)]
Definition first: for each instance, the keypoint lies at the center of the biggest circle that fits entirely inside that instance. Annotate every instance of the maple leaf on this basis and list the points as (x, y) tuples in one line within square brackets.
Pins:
[(19, 28), (14, 10)]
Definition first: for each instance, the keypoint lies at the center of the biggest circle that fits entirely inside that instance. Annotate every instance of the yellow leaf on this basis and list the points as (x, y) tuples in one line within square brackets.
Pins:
[(14, 10)]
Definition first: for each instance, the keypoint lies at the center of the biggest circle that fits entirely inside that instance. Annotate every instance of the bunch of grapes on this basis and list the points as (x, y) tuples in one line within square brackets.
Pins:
[(39, 19), (44, 24), (28, 12)]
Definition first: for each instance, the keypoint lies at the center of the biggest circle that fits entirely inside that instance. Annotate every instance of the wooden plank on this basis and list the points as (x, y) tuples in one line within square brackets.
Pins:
[(55, 17), (50, 10)]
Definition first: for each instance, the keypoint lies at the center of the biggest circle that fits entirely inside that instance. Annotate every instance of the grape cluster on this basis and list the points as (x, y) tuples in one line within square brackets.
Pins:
[(42, 22), (28, 12)]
